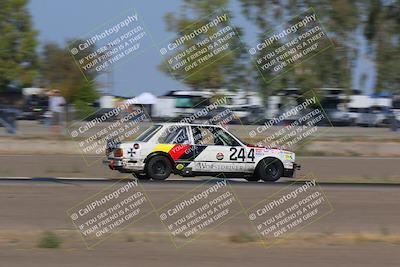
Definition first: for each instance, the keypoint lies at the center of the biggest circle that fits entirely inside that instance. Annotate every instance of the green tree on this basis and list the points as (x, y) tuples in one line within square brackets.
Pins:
[(229, 70), (18, 59), (383, 32), (60, 72), (331, 68), (379, 20)]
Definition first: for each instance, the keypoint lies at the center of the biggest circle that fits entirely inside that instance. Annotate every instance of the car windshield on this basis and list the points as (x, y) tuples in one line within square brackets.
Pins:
[(149, 133)]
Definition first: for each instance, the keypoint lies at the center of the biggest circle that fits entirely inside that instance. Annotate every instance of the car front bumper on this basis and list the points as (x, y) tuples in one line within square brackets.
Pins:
[(289, 173)]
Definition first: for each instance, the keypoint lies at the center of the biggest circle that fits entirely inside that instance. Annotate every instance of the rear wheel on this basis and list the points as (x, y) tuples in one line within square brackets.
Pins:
[(269, 169), (158, 168)]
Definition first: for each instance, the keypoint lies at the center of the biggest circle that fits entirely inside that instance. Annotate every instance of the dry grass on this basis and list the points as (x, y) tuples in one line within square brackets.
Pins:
[(71, 239)]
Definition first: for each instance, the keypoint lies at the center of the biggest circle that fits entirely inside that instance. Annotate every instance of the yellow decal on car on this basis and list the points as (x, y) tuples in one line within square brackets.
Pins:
[(163, 147)]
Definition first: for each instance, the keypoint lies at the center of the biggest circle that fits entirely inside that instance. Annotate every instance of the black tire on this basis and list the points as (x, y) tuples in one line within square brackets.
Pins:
[(158, 168), (269, 169), (254, 178), (141, 176)]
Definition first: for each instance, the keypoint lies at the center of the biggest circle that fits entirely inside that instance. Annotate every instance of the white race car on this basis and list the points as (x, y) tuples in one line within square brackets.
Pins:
[(198, 150)]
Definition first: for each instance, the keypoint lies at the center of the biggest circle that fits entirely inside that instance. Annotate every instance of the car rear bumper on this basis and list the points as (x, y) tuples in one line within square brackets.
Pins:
[(113, 164), (124, 165)]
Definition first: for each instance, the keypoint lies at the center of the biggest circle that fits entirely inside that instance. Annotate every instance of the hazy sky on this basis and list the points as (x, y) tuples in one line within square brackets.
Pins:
[(62, 20)]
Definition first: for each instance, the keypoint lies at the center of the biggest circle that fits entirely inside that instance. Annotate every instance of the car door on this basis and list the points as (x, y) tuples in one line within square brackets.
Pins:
[(216, 151), (176, 141)]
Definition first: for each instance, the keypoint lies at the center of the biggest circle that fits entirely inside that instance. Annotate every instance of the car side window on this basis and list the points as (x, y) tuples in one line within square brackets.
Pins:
[(224, 138), (175, 135), (209, 135), (202, 136)]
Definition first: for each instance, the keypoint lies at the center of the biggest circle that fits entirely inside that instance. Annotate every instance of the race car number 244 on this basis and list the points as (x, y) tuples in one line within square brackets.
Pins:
[(239, 154)]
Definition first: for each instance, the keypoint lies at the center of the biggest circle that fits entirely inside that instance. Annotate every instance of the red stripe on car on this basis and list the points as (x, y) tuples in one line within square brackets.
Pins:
[(177, 151)]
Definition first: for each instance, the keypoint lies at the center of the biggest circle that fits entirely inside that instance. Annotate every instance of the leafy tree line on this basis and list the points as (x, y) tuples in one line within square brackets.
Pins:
[(18, 58), (226, 70), (58, 70), (53, 68), (378, 20)]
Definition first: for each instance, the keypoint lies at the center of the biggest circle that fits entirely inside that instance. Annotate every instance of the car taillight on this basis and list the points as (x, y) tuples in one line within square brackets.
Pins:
[(118, 152), (136, 146)]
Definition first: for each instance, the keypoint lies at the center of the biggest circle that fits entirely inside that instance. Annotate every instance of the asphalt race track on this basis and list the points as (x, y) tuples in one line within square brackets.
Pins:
[(323, 168), (361, 229), (32, 206)]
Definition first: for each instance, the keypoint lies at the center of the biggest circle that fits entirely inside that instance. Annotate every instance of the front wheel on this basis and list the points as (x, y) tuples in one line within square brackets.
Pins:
[(253, 178), (269, 169), (141, 176), (158, 168)]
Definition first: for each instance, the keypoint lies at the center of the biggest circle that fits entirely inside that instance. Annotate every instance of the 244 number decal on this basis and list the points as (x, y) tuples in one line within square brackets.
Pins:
[(235, 155)]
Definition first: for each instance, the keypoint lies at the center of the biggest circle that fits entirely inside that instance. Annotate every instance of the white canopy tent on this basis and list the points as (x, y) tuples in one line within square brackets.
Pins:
[(143, 99), (146, 99)]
